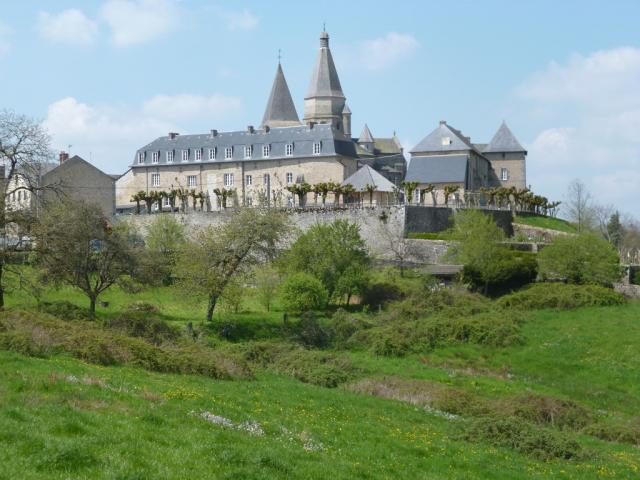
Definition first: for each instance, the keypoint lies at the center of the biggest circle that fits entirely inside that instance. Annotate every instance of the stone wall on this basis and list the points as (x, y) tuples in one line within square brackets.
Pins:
[(424, 219)]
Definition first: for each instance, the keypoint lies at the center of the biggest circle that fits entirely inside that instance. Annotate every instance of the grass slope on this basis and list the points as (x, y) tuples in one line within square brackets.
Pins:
[(545, 222)]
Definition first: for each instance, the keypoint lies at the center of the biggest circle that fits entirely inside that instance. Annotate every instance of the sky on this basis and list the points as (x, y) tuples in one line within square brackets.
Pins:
[(106, 77)]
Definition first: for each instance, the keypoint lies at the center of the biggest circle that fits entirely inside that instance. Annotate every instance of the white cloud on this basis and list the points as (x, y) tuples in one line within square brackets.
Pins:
[(139, 21), (239, 20), (109, 135), (379, 53), (594, 102), (71, 27)]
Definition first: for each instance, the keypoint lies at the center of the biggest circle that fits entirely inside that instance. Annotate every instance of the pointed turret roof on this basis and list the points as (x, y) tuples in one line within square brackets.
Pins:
[(504, 141), (324, 81), (346, 108), (365, 136), (280, 111)]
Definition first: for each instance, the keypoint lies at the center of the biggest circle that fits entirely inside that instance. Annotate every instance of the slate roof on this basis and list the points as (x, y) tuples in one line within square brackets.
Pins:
[(365, 136), (504, 141), (302, 137), (366, 175), (434, 141), (324, 81), (70, 162), (438, 169), (346, 108), (280, 111)]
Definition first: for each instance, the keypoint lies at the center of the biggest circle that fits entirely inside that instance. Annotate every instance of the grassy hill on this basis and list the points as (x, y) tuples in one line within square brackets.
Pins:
[(572, 380), (550, 223)]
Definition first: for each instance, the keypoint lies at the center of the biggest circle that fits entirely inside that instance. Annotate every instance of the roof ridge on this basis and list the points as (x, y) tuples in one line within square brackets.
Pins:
[(504, 141)]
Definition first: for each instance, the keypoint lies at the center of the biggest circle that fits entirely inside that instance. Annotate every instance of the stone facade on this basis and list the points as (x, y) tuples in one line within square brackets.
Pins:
[(511, 163)]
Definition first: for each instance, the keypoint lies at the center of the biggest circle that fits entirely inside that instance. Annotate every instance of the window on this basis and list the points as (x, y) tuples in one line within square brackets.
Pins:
[(265, 179), (317, 147), (19, 195), (248, 180), (504, 174), (140, 157), (248, 151), (198, 154), (165, 201), (266, 150), (446, 140), (192, 181), (228, 153), (289, 178), (154, 157), (185, 155), (155, 179), (288, 149), (212, 153), (170, 154), (228, 179)]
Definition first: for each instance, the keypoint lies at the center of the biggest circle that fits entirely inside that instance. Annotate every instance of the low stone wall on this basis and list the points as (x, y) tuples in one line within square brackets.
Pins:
[(631, 291), (430, 252), (537, 234)]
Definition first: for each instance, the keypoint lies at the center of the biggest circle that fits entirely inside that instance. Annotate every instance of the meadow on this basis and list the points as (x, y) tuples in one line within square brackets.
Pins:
[(414, 415)]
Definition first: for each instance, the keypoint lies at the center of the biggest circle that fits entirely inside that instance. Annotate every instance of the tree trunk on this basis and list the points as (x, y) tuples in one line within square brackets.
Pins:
[(92, 307), (211, 307), (1, 283)]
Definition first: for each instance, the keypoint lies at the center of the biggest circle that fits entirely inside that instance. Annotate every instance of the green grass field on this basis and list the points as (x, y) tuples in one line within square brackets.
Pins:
[(63, 418), (545, 222)]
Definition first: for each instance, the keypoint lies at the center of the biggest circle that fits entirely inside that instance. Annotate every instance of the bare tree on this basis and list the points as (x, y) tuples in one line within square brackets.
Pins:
[(601, 215), (24, 149), (579, 205)]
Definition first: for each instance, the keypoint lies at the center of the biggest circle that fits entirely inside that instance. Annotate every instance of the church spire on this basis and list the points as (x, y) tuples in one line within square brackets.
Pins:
[(324, 101), (280, 111)]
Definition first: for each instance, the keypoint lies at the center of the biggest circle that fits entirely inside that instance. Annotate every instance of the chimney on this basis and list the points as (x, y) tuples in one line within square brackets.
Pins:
[(173, 135), (64, 156), (214, 132), (310, 125), (267, 128), (250, 129)]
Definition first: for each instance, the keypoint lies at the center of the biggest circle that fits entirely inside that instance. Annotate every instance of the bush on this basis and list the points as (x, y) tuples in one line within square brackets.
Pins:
[(40, 334), (343, 326), (142, 306), (144, 325), (626, 431), (510, 271), (546, 410), (581, 259), (63, 310), (381, 293), (301, 292), (512, 432), (310, 333), (561, 296), (129, 285)]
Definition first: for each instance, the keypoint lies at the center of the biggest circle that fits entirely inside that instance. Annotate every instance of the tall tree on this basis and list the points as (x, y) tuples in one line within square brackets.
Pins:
[(219, 253), (579, 206), (77, 245), (24, 149)]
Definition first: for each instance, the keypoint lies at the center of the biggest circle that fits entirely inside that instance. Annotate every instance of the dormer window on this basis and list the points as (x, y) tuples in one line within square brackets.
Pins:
[(170, 154), (446, 140), (154, 157), (317, 148), (288, 149), (140, 157), (266, 151), (212, 153), (198, 154), (228, 153), (185, 155), (248, 151)]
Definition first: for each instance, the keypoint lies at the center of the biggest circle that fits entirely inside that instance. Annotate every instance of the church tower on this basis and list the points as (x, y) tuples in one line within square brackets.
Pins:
[(280, 111), (324, 102)]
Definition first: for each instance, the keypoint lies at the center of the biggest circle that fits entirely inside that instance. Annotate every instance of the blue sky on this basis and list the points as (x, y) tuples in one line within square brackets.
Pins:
[(109, 76)]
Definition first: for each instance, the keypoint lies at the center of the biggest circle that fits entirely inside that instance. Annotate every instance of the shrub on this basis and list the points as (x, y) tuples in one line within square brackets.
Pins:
[(144, 325), (381, 293), (343, 326), (561, 296), (510, 271), (129, 285), (581, 259), (63, 310), (142, 306), (626, 431), (309, 332), (511, 432), (546, 410), (301, 292)]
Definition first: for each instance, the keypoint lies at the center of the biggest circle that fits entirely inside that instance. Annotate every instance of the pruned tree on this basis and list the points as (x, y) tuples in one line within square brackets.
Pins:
[(24, 150), (219, 253), (409, 189), (77, 245)]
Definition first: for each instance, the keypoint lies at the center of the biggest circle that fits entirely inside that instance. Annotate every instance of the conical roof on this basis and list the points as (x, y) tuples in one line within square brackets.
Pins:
[(504, 141), (280, 111), (324, 81), (346, 109), (368, 176), (365, 136)]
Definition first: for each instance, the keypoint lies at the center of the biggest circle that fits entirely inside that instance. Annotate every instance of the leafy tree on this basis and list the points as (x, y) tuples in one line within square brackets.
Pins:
[(580, 259), (267, 280), (231, 298), (328, 251), (352, 282), (77, 245), (219, 253), (302, 291), (615, 229), (165, 235)]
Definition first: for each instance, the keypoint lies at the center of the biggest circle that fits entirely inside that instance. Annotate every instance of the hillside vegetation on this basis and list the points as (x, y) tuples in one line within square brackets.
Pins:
[(552, 223)]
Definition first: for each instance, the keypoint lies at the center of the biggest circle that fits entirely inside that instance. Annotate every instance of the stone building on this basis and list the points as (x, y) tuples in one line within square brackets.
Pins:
[(258, 164), (76, 179), (447, 157)]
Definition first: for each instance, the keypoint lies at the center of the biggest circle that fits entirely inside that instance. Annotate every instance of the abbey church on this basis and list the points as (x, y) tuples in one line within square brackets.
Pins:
[(259, 163)]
